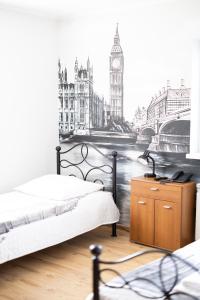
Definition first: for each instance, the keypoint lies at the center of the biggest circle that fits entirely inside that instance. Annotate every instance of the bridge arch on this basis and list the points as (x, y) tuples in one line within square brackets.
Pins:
[(176, 127), (148, 131), (145, 136)]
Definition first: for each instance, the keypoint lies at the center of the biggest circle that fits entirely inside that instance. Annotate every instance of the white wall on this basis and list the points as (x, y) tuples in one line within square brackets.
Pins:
[(28, 97)]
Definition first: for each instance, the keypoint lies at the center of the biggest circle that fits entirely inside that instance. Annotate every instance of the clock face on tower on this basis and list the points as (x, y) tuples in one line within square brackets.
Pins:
[(116, 63)]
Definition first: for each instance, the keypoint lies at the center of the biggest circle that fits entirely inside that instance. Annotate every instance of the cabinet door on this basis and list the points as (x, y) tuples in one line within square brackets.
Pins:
[(167, 225), (142, 220)]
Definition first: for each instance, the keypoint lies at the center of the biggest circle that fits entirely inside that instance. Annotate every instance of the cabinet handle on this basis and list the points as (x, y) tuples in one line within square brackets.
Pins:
[(167, 206), (141, 202), (154, 189)]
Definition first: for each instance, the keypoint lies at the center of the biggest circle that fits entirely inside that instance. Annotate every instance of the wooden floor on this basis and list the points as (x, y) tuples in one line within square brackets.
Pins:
[(64, 271)]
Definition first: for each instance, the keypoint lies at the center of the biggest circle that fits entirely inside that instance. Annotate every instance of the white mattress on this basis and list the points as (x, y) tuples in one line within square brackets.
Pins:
[(92, 211), (17, 209)]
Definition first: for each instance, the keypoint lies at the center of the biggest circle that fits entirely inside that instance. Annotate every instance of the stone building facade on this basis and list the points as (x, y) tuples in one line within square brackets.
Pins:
[(167, 126), (168, 101), (80, 108)]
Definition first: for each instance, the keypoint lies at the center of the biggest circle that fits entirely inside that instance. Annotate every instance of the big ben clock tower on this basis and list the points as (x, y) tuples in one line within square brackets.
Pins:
[(116, 79)]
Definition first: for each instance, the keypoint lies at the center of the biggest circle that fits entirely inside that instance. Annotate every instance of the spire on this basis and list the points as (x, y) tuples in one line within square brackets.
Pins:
[(59, 66), (76, 65), (182, 83), (59, 70), (88, 64), (117, 29), (116, 48), (116, 38), (65, 75)]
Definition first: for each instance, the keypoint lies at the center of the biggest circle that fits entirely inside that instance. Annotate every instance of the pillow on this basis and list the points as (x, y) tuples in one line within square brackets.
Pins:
[(58, 187)]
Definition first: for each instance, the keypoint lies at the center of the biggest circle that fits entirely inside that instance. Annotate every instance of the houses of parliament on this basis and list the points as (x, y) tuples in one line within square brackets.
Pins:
[(80, 108)]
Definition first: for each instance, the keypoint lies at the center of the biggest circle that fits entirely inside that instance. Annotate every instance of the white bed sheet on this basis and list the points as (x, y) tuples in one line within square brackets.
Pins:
[(92, 211), (18, 209)]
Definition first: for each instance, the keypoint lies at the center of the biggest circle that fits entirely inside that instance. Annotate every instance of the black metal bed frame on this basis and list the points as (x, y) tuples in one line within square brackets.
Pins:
[(84, 151), (165, 293)]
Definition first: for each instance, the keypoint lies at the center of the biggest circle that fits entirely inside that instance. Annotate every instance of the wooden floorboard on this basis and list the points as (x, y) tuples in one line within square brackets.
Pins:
[(64, 271)]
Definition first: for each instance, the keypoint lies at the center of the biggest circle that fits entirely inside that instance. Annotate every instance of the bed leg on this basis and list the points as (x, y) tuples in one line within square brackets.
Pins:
[(114, 229), (96, 251), (114, 188), (58, 148)]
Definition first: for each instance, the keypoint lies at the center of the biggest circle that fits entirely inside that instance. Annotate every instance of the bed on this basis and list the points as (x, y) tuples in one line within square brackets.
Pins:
[(174, 276), (54, 208)]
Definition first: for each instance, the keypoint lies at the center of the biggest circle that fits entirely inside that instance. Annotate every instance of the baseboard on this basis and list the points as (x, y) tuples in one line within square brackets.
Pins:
[(123, 227)]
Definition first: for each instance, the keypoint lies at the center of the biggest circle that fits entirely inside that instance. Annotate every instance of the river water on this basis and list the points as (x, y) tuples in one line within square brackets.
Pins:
[(127, 167)]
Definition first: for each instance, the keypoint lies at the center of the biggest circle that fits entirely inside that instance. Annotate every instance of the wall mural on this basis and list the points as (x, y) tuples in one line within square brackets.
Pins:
[(162, 126)]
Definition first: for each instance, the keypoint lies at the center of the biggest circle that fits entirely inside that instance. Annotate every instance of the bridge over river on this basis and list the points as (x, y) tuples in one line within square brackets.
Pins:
[(170, 133)]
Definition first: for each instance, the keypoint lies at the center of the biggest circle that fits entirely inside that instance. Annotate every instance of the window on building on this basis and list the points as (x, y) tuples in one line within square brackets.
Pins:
[(81, 87), (61, 102), (82, 102), (81, 117)]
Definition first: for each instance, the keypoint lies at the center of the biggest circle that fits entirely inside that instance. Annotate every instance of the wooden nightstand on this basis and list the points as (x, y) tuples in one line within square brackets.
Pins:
[(162, 215)]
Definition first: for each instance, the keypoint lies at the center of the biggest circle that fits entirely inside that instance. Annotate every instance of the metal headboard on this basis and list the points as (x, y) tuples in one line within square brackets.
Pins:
[(64, 163), (165, 293)]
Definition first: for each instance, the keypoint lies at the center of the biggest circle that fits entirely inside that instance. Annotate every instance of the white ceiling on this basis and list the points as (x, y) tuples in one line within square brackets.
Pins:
[(63, 8)]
